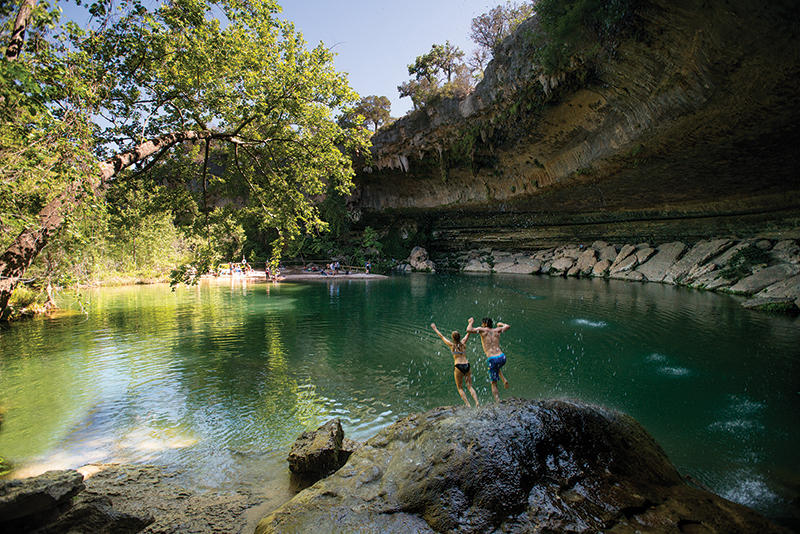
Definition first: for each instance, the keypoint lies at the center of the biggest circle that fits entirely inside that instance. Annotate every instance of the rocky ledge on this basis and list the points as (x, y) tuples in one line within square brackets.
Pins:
[(766, 271), (519, 466), (56, 502)]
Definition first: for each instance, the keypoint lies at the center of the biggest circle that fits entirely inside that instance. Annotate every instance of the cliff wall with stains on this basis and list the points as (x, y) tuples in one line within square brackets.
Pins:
[(691, 130)]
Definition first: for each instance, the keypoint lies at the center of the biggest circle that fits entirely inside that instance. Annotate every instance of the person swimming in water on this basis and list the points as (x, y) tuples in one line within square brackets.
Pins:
[(495, 358), (461, 371)]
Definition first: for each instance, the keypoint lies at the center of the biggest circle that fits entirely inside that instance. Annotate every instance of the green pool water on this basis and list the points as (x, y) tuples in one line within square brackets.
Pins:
[(218, 380)]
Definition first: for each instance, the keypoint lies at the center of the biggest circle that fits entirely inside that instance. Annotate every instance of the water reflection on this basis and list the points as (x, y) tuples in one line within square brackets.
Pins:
[(216, 377)]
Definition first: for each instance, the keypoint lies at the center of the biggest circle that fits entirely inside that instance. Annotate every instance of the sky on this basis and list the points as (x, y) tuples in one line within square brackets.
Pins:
[(376, 39)]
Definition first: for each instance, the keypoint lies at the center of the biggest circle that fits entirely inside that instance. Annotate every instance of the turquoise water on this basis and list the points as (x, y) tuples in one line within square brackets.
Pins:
[(218, 380)]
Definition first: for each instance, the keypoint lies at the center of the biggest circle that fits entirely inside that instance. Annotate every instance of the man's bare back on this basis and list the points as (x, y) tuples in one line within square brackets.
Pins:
[(490, 339)]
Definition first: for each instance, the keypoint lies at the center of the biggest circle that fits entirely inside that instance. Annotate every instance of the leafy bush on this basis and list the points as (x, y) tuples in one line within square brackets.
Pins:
[(23, 296), (581, 28)]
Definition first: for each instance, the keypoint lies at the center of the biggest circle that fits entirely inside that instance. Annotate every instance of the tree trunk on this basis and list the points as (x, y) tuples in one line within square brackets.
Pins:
[(21, 253), (20, 25)]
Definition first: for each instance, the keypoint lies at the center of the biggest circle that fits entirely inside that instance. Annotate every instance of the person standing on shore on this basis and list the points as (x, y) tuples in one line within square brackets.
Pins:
[(461, 372), (495, 358)]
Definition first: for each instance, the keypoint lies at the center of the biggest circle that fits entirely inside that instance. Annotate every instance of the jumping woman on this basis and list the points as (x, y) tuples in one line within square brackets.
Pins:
[(461, 371)]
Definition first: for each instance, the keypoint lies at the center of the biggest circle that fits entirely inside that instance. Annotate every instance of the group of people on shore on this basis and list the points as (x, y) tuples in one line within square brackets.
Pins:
[(495, 357)]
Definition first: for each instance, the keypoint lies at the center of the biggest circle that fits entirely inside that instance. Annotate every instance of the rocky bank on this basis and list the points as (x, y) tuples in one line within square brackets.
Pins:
[(768, 272), (518, 466)]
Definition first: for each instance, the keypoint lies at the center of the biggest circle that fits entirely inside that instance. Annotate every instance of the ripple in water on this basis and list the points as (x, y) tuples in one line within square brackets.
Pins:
[(656, 357), (590, 323), (674, 371)]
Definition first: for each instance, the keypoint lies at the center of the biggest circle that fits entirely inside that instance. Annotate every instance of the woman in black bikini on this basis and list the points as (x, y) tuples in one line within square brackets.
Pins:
[(461, 371)]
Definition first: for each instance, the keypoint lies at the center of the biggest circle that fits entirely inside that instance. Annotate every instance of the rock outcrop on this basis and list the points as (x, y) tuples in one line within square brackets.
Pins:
[(690, 131), (418, 260), (54, 503), (318, 453), (520, 466)]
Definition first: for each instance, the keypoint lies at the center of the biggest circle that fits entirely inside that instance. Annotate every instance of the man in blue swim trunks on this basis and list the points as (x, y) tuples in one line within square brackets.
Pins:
[(490, 339)]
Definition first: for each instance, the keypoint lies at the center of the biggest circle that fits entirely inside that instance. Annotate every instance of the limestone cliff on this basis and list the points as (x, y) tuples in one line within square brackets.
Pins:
[(690, 130)]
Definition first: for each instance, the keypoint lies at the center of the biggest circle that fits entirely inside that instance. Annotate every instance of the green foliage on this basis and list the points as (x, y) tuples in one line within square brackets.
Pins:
[(779, 307), (489, 29), (369, 240), (266, 103), (371, 110), (742, 263), (440, 73), (5, 467), (23, 296), (580, 29)]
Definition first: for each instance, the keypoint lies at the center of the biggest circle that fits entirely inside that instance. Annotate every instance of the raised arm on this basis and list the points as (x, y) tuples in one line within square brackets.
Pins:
[(449, 343), (470, 328), (502, 327)]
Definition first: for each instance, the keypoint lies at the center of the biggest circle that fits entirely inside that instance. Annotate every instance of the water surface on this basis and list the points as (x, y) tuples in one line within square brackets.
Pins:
[(218, 380)]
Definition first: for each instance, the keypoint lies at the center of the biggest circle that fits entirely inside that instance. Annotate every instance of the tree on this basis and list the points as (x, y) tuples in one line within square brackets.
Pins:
[(433, 74), (374, 109), (489, 29), (79, 108)]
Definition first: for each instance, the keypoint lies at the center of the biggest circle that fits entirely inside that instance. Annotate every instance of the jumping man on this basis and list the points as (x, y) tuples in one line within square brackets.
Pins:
[(490, 339)]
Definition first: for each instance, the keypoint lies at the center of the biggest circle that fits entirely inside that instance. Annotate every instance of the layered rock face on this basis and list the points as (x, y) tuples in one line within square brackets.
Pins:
[(519, 466), (689, 132)]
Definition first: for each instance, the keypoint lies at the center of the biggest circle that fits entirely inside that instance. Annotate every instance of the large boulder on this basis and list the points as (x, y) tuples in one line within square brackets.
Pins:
[(418, 259), (561, 265), (695, 258), (786, 251), (38, 496), (477, 265), (518, 265), (764, 278), (655, 269), (54, 503), (625, 252), (608, 253), (517, 466), (318, 453), (601, 268), (586, 262)]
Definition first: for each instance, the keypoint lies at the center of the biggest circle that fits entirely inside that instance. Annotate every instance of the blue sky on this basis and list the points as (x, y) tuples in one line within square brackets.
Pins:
[(376, 40)]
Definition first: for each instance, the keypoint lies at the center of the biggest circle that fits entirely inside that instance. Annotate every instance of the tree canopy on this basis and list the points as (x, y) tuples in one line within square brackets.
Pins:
[(439, 72), (225, 87), (489, 29), (372, 109)]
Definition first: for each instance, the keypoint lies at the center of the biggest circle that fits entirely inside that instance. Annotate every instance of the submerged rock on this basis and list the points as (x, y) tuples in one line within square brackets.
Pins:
[(519, 466)]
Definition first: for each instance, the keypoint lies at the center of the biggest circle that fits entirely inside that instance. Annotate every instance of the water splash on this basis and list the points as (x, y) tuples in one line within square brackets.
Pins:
[(674, 371), (589, 323)]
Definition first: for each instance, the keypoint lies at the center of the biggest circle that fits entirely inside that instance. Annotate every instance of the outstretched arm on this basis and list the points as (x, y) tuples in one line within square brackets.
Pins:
[(449, 343), (470, 328)]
